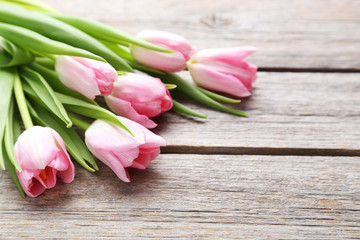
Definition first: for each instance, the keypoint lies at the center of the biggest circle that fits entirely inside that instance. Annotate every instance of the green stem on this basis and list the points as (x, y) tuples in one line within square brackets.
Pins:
[(21, 102), (218, 97), (180, 108), (79, 122)]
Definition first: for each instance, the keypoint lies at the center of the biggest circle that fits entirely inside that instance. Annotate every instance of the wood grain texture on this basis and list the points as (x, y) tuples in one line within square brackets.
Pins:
[(287, 110), (196, 197), (222, 193), (322, 34)]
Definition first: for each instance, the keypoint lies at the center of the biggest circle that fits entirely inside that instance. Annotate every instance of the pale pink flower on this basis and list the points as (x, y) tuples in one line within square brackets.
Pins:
[(139, 97), (41, 153), (87, 76), (224, 70), (118, 149), (170, 62)]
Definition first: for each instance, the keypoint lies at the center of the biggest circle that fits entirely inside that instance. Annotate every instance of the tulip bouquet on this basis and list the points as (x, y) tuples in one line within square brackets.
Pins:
[(54, 68)]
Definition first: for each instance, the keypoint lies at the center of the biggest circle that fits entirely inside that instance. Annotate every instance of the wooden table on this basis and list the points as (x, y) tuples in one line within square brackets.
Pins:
[(290, 171)]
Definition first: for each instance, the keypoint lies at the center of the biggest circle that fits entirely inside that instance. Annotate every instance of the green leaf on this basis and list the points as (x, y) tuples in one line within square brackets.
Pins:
[(21, 103), (12, 171), (73, 141), (39, 44), (105, 32), (13, 55), (7, 77), (91, 110), (9, 137), (36, 86), (10, 167), (16, 127), (180, 108), (218, 97), (121, 51), (59, 31), (143, 68), (45, 62)]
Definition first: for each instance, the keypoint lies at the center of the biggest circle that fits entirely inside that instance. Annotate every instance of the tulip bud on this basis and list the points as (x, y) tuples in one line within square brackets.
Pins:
[(224, 70), (116, 148), (170, 62), (139, 97), (41, 153), (86, 76)]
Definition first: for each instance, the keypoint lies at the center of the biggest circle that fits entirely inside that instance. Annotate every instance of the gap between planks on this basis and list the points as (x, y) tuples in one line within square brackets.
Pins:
[(309, 70), (184, 149)]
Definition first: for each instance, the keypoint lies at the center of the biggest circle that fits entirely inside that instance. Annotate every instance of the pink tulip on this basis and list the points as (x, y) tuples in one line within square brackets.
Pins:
[(139, 97), (86, 76), (42, 156), (224, 70), (118, 149), (170, 62)]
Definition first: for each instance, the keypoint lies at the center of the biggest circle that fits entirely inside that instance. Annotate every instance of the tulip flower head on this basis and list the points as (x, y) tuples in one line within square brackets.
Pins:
[(170, 62), (224, 70), (87, 76), (42, 155), (118, 149), (139, 97)]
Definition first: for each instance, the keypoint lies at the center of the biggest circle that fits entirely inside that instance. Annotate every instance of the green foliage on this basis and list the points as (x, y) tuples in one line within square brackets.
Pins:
[(58, 31), (13, 55), (36, 87)]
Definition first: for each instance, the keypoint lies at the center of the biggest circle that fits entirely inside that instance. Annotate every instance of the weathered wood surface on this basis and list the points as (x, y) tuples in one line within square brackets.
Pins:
[(322, 34), (197, 197), (215, 195), (300, 112)]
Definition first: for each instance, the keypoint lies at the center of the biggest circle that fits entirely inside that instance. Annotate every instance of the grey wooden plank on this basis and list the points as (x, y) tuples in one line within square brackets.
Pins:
[(301, 112), (196, 197), (289, 34)]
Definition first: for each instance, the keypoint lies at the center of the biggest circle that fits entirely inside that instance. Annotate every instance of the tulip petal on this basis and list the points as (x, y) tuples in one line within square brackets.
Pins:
[(118, 149), (150, 109), (170, 62), (35, 148), (167, 102), (139, 97), (103, 135), (62, 163), (42, 155), (119, 170), (77, 77), (34, 188), (252, 69), (138, 88), (125, 109), (232, 56), (47, 177), (29, 184), (167, 40), (153, 140), (105, 74), (211, 79), (145, 157), (246, 73), (116, 160), (150, 139)]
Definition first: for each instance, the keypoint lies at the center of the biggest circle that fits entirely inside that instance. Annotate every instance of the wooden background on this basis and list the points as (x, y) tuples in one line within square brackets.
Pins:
[(290, 171)]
